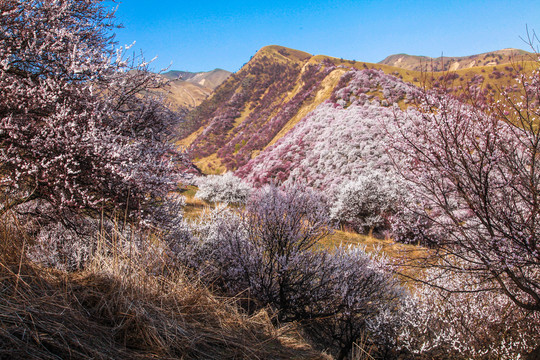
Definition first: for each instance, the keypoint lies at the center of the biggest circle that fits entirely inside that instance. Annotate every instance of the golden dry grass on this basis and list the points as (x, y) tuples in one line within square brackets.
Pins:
[(210, 165), (120, 308), (408, 260)]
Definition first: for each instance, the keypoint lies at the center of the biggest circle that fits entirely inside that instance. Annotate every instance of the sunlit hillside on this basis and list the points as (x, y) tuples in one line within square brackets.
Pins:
[(279, 87)]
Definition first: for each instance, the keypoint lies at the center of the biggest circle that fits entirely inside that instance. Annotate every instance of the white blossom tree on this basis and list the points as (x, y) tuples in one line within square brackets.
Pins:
[(225, 188), (366, 203), (342, 139)]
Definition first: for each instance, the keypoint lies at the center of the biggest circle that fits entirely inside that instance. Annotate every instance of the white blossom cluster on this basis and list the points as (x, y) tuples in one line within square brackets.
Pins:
[(468, 323), (225, 188)]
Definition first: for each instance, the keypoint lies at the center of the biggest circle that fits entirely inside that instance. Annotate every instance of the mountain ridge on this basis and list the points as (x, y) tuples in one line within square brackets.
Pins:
[(446, 63), (186, 90)]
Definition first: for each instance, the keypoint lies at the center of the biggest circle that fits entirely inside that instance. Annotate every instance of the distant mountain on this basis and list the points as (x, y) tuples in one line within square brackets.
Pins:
[(179, 75), (444, 63), (281, 90), (209, 79), (188, 89)]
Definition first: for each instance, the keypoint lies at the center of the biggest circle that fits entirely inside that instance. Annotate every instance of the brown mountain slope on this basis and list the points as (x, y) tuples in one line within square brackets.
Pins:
[(443, 63), (278, 87), (211, 79), (187, 90), (186, 95)]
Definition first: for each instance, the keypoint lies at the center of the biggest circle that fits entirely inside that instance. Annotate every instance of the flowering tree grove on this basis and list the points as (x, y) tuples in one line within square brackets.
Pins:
[(80, 128), (471, 324), (342, 139)]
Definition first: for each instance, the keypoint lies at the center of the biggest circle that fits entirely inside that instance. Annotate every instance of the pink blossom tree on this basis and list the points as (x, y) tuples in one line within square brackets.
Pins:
[(80, 127)]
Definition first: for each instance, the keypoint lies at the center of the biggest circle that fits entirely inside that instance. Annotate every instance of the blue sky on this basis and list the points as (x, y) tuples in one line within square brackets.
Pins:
[(204, 35)]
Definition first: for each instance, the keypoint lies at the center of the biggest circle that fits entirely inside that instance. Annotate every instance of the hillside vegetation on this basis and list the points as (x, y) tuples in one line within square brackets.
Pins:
[(279, 87)]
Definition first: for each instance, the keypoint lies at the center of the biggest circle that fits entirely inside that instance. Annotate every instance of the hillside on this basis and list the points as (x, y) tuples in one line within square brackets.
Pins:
[(258, 105), (443, 63), (344, 137), (279, 87)]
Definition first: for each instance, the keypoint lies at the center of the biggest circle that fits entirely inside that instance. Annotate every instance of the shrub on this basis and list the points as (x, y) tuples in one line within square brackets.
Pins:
[(466, 324), (366, 203), (355, 295), (71, 244), (225, 188)]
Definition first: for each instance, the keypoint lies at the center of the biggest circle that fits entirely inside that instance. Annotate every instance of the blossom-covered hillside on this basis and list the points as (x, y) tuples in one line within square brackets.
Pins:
[(278, 87), (341, 139), (259, 104)]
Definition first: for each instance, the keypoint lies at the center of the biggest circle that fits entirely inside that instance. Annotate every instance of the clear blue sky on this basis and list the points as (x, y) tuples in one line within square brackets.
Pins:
[(203, 35)]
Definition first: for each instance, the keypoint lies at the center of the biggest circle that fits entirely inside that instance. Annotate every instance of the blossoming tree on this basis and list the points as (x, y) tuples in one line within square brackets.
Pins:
[(80, 128), (474, 171)]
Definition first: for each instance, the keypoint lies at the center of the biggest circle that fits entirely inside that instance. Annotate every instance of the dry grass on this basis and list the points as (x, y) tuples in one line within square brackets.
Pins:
[(119, 309), (211, 165), (372, 243), (194, 207), (409, 261)]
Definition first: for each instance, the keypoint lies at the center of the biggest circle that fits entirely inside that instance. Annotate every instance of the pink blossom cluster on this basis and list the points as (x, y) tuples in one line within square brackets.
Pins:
[(341, 139)]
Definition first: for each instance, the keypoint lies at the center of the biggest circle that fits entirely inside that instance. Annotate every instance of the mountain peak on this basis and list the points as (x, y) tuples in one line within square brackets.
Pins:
[(282, 51)]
